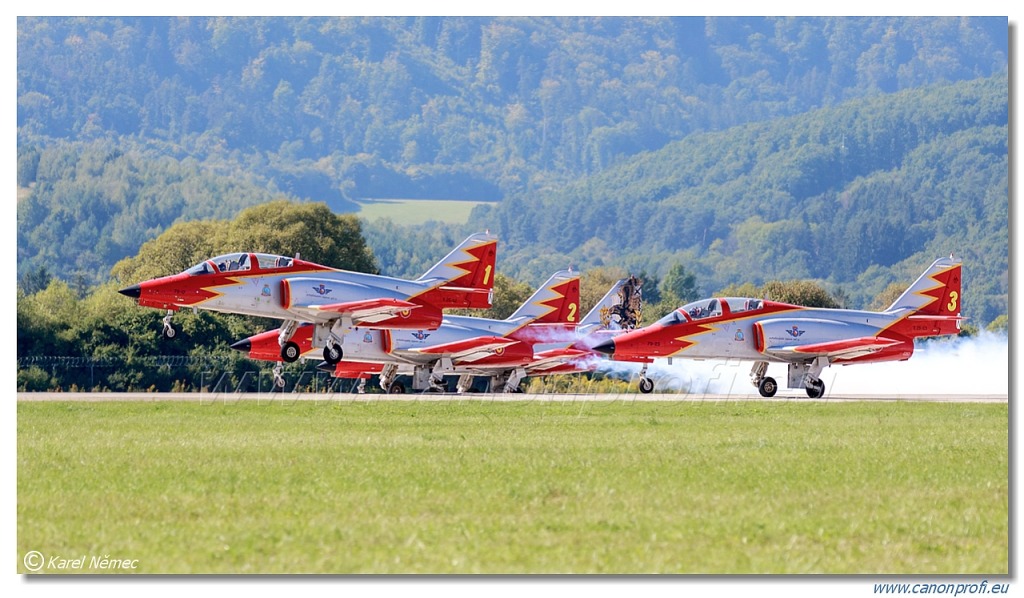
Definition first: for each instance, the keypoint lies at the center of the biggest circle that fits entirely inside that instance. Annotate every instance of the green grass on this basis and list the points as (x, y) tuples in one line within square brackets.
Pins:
[(467, 487), (417, 211)]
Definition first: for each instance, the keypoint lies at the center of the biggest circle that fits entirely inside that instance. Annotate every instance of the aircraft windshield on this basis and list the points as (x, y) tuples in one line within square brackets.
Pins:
[(706, 308), (198, 269), (269, 262), (240, 262), (741, 304), (233, 262), (672, 319)]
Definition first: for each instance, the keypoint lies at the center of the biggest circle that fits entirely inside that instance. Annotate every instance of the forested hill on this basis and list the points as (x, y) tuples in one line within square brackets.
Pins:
[(861, 195), (459, 107)]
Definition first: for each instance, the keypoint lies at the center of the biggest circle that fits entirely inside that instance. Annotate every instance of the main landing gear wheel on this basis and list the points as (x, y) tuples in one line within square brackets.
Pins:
[(437, 387), (290, 352), (646, 385), (169, 331), (815, 389), (396, 388), (768, 387), (333, 354), (278, 377)]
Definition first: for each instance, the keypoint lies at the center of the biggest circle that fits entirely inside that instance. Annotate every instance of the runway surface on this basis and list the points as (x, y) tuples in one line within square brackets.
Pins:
[(285, 398)]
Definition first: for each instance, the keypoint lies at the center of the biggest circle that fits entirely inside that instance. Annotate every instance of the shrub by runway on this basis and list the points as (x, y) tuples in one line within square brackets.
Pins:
[(475, 486)]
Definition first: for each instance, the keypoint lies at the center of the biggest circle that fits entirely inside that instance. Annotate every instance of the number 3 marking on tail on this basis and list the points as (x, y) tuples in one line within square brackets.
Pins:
[(953, 296)]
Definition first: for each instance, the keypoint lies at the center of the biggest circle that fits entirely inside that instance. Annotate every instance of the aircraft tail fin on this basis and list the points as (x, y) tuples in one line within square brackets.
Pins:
[(465, 277), (934, 300), (621, 308), (557, 301)]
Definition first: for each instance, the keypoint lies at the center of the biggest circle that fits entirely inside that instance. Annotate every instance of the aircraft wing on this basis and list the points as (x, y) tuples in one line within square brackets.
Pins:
[(470, 349), (368, 311), (847, 347)]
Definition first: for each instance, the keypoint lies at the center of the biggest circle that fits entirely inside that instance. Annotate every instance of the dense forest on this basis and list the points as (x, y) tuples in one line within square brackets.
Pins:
[(861, 195), (850, 151)]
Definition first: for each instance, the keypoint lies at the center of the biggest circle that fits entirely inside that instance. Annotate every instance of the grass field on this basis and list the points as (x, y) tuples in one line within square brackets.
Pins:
[(417, 211), (466, 487)]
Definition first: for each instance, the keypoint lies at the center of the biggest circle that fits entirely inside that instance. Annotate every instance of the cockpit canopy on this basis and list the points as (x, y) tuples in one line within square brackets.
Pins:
[(710, 308), (239, 262)]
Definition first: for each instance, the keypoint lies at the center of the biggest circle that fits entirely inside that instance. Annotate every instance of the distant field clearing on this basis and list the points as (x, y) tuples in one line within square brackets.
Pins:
[(415, 211)]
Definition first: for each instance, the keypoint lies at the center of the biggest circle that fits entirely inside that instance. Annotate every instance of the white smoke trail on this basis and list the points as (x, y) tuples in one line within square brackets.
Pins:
[(972, 366)]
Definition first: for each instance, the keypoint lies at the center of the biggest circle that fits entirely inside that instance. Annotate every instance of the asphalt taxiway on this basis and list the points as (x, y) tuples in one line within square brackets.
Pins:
[(514, 397)]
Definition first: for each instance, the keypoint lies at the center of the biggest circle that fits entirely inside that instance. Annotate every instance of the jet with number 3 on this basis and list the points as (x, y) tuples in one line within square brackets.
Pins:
[(334, 302), (807, 339)]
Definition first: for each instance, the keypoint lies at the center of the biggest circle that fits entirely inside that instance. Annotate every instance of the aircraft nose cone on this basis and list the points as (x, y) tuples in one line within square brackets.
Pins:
[(134, 291), (244, 346), (607, 347), (325, 367)]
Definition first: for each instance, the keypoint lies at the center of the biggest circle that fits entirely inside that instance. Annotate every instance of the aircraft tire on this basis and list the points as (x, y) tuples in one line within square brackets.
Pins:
[(290, 352), (816, 390), (333, 354), (768, 387), (396, 388), (170, 332), (646, 385)]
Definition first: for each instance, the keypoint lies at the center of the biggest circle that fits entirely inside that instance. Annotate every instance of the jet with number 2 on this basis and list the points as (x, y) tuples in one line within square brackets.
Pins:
[(807, 339), (461, 342), (562, 346), (333, 301)]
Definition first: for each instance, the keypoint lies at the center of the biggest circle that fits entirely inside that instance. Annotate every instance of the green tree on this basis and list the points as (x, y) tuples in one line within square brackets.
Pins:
[(888, 296), (1000, 324), (799, 292), (181, 246), (310, 229), (594, 285), (679, 286), (278, 227), (747, 289)]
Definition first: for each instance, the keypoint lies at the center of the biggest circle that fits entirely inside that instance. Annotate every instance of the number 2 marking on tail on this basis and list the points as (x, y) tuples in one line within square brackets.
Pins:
[(572, 312), (953, 296)]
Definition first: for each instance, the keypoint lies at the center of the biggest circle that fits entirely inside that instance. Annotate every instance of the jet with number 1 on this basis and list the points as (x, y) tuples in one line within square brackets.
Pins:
[(807, 339), (333, 301)]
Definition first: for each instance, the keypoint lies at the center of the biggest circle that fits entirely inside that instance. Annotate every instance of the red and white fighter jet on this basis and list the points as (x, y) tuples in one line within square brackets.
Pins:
[(460, 342), (807, 339), (552, 343), (333, 301)]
